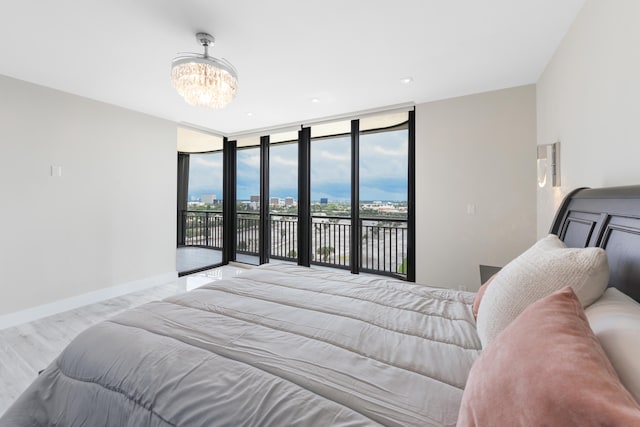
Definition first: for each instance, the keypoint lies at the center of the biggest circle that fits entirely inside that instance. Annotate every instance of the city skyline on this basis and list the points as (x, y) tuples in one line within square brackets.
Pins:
[(383, 170)]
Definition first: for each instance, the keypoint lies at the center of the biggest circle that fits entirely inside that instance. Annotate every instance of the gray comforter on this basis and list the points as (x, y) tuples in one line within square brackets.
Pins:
[(278, 345)]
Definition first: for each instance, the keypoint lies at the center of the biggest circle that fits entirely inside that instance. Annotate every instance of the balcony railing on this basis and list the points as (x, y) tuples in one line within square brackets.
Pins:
[(248, 233), (383, 241), (202, 228), (383, 245), (284, 237), (330, 241)]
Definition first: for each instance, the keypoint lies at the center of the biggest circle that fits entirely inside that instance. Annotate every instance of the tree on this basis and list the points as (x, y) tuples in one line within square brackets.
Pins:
[(325, 252), (402, 269)]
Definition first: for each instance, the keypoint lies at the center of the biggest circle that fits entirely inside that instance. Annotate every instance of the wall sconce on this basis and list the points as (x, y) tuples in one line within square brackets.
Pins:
[(549, 163)]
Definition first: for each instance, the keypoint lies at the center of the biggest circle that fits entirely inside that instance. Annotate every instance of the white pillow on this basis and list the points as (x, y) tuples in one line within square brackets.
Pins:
[(615, 319), (546, 267)]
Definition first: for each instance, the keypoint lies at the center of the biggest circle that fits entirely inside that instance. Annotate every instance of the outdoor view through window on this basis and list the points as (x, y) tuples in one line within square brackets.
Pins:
[(383, 176), (383, 160)]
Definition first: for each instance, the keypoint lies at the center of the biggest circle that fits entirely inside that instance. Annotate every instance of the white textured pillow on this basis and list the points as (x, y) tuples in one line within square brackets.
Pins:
[(615, 319), (546, 267)]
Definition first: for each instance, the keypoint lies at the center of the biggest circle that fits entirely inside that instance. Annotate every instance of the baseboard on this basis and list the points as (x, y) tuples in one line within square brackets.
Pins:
[(66, 304)]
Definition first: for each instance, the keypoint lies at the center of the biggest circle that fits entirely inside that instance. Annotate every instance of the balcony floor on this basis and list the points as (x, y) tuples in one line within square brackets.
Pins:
[(193, 258)]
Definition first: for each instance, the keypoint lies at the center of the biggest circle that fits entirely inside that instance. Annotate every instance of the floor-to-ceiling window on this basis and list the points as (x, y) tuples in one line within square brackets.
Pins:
[(360, 179), (248, 203), (283, 196), (331, 194), (383, 179), (205, 200), (200, 221), (337, 194)]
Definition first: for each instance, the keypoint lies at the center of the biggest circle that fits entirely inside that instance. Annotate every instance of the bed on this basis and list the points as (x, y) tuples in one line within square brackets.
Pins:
[(288, 345)]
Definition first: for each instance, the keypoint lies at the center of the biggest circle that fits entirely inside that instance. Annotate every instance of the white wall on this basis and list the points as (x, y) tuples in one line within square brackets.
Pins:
[(108, 220), (476, 150), (588, 100)]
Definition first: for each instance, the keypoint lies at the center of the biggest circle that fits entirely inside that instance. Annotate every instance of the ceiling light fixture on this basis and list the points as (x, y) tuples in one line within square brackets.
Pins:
[(406, 80), (202, 80)]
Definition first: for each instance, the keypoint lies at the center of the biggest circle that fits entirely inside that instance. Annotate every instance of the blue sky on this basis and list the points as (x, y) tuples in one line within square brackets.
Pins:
[(383, 169)]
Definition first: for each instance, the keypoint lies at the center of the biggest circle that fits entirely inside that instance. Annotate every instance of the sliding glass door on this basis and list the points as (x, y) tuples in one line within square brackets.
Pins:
[(331, 200), (384, 200), (200, 205), (360, 191), (283, 200), (248, 205), (204, 206)]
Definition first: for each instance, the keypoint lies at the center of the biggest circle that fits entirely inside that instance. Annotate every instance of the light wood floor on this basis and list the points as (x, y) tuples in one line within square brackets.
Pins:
[(28, 348)]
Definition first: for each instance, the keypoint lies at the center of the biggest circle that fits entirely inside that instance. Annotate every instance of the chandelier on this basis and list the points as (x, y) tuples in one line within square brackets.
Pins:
[(202, 80)]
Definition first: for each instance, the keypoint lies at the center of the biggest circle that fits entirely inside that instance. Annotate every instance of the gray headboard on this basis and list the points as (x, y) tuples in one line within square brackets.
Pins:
[(608, 218)]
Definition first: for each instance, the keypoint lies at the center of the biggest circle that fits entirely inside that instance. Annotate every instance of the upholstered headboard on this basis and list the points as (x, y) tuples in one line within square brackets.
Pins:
[(608, 218)]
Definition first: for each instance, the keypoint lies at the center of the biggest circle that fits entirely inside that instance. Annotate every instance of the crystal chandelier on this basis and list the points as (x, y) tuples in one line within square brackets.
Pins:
[(202, 80)]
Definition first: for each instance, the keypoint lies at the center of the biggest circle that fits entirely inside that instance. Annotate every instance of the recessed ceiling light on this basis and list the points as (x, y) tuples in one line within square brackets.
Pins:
[(315, 100), (249, 113), (406, 80)]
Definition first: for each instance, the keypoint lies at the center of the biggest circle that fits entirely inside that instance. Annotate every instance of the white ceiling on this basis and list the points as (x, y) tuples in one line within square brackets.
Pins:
[(350, 54)]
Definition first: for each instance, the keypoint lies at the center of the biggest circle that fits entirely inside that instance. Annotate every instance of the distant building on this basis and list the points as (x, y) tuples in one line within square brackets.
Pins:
[(274, 201), (288, 201), (324, 201), (255, 198), (208, 198), (383, 207)]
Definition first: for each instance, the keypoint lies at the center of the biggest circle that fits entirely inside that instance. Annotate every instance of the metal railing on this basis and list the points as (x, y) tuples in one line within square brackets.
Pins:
[(330, 241), (248, 233), (383, 241), (383, 245), (202, 228), (284, 236)]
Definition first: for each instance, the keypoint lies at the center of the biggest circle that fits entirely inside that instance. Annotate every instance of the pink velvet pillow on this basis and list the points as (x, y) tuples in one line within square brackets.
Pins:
[(546, 368), (479, 295)]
